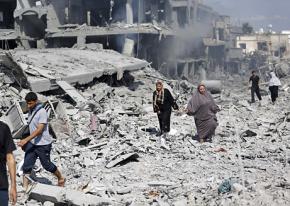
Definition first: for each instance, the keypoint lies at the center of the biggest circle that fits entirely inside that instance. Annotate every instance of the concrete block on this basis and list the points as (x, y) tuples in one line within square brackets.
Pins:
[(121, 159), (54, 194)]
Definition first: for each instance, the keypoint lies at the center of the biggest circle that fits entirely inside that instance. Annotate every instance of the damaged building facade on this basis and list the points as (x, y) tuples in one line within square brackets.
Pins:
[(176, 36), (274, 44)]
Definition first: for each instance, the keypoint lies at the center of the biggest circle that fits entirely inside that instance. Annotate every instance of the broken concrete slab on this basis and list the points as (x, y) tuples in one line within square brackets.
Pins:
[(44, 67), (122, 158), (77, 98), (54, 194)]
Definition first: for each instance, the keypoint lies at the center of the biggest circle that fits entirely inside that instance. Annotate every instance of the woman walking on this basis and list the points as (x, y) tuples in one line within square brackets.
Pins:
[(204, 109), (163, 102), (274, 84)]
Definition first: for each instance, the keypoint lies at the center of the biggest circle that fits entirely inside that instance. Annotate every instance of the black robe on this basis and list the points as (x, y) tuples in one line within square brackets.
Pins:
[(164, 110)]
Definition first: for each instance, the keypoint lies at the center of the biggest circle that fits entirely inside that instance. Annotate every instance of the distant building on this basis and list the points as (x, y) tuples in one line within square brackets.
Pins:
[(273, 44), (288, 33)]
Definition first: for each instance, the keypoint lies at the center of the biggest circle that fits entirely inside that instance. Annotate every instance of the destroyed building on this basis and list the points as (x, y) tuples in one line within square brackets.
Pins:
[(89, 61), (273, 44), (176, 36)]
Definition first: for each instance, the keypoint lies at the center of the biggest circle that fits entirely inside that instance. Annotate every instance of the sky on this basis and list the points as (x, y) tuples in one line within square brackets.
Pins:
[(259, 13)]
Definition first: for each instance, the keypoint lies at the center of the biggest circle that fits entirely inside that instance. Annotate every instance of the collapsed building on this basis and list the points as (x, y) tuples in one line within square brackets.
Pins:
[(175, 36), (119, 162)]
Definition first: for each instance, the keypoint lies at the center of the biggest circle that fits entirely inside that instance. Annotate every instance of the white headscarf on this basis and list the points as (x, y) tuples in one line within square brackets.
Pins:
[(274, 81)]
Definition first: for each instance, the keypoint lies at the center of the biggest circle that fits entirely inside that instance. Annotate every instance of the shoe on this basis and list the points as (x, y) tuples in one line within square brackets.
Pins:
[(163, 144)]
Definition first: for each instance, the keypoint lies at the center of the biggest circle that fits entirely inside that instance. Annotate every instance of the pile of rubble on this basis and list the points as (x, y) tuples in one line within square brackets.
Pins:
[(110, 155)]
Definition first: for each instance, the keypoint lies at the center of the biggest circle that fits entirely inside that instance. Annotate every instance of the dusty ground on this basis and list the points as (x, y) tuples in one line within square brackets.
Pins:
[(187, 174)]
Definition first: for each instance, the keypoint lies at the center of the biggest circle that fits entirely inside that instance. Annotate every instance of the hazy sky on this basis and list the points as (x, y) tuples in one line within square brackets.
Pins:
[(258, 13)]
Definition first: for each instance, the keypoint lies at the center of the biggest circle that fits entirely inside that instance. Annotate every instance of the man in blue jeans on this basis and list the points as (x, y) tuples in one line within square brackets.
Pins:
[(38, 143), (6, 157)]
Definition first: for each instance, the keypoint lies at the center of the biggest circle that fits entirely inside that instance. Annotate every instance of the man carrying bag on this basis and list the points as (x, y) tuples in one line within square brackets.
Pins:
[(38, 143)]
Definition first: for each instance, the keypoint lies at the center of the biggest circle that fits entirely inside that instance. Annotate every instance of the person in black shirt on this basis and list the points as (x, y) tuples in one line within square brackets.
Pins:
[(255, 86), (7, 147), (162, 104)]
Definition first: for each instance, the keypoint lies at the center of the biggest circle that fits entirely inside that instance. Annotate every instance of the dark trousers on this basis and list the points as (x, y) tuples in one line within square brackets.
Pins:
[(164, 121), (257, 91), (4, 197), (274, 92), (42, 152)]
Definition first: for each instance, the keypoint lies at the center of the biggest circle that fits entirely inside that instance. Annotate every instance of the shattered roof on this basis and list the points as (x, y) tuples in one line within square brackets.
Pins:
[(114, 29), (44, 67)]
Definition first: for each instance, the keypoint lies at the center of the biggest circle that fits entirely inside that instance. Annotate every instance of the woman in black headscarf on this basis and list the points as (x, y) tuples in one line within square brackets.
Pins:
[(204, 109), (162, 105)]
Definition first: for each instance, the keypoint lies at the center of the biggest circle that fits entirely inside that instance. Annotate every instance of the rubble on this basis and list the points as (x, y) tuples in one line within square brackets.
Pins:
[(100, 104), (49, 69), (120, 160), (46, 193), (103, 163)]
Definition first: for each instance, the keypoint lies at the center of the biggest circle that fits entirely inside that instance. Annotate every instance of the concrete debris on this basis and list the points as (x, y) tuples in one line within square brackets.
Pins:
[(94, 65), (47, 193), (45, 68), (122, 159), (158, 184), (248, 133), (77, 98)]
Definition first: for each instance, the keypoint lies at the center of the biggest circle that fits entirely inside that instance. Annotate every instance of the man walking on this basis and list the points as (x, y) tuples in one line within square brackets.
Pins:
[(38, 143), (6, 157), (255, 86)]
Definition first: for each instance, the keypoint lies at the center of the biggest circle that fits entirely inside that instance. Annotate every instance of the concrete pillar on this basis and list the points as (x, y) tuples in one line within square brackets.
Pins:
[(129, 12), (175, 71), (40, 44), (185, 70), (191, 71), (202, 74), (81, 41), (128, 48), (174, 18), (25, 43), (89, 18), (195, 7), (188, 12), (172, 71), (141, 11), (66, 12)]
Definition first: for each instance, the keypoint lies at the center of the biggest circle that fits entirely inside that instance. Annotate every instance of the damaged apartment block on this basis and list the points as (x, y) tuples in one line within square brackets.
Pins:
[(176, 36)]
